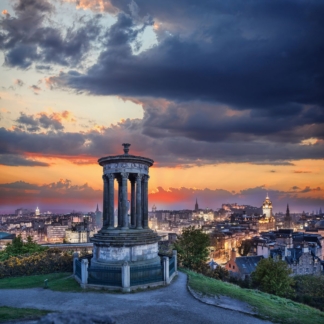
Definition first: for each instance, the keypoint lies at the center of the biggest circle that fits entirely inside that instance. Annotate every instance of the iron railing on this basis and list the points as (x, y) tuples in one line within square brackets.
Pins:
[(171, 266), (108, 276), (78, 268), (146, 274)]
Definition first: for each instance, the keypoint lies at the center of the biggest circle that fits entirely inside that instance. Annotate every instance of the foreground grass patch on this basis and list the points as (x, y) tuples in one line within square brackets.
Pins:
[(268, 306), (12, 313), (56, 281)]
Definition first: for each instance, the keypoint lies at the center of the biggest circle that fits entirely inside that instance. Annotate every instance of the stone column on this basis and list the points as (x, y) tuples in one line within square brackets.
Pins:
[(111, 213), (84, 272), (105, 202), (124, 177), (139, 201), (126, 277), (145, 202), (133, 207), (166, 276), (175, 255), (119, 202)]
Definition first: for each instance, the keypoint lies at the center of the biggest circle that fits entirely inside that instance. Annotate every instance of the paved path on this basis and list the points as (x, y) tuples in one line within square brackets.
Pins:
[(172, 304)]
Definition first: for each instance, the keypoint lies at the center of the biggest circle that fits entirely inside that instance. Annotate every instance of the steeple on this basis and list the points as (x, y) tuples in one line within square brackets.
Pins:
[(196, 205), (97, 210), (287, 220)]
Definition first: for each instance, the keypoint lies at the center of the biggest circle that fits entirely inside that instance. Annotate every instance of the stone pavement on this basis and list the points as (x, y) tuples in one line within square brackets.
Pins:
[(172, 304)]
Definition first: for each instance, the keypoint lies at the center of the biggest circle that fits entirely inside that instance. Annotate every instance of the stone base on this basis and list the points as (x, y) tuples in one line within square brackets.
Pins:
[(128, 237), (117, 255)]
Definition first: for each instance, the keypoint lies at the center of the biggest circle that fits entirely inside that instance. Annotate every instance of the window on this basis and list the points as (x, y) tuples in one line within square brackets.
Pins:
[(229, 265), (233, 267)]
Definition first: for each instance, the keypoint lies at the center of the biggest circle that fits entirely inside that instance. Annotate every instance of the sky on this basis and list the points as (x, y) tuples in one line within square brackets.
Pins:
[(225, 96)]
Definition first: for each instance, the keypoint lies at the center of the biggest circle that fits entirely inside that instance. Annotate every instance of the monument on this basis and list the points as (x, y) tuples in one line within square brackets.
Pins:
[(125, 251), (130, 239)]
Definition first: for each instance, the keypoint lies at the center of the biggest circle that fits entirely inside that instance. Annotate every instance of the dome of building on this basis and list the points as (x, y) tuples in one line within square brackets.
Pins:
[(320, 224)]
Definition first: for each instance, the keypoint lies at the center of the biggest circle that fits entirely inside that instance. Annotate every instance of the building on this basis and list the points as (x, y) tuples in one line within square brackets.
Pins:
[(55, 233), (301, 261), (267, 207), (5, 238), (242, 267), (80, 236), (37, 212)]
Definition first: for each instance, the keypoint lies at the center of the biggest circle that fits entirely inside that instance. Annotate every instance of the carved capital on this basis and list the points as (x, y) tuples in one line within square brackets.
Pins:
[(124, 175), (146, 178), (111, 176), (139, 177), (104, 178)]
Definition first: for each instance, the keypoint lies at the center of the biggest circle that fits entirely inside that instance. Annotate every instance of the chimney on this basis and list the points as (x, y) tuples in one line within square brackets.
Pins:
[(305, 248), (233, 254)]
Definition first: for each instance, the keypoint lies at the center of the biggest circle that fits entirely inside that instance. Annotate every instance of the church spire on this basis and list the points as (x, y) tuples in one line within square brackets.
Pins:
[(196, 205), (97, 208)]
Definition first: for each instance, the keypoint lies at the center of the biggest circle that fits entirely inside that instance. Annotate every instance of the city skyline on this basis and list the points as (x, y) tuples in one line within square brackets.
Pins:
[(225, 98)]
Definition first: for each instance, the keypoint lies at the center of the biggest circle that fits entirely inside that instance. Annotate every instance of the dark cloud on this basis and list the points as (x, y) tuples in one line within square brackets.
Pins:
[(62, 192), (309, 189), (33, 123), (18, 160), (246, 55), (28, 38), (66, 193), (238, 82), (295, 188)]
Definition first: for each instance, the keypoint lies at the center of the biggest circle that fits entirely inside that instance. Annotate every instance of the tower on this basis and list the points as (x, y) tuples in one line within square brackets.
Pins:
[(267, 207), (37, 212), (287, 220), (196, 205), (98, 218)]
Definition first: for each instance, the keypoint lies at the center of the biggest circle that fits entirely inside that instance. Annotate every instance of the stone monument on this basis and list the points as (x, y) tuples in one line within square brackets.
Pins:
[(130, 239)]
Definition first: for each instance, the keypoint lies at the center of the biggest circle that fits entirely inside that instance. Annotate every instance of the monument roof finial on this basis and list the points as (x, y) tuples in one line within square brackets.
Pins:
[(126, 147)]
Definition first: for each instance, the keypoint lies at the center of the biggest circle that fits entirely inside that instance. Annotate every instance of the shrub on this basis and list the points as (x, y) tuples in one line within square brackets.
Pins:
[(49, 261)]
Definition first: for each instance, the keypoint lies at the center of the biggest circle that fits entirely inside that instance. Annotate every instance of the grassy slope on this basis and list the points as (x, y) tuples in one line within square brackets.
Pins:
[(11, 313), (271, 307), (56, 281)]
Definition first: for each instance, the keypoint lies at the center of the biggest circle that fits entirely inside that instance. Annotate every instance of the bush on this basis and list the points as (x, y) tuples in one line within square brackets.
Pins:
[(310, 290), (49, 261)]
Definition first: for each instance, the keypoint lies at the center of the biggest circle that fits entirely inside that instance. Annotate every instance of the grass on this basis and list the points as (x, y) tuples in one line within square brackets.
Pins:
[(279, 310), (56, 281), (12, 313)]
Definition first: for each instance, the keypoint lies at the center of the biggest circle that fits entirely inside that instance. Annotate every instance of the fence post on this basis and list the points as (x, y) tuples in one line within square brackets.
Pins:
[(84, 272), (75, 256), (166, 270), (175, 255), (126, 277)]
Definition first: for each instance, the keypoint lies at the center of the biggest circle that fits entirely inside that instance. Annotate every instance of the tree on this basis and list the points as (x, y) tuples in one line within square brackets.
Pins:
[(272, 276), (18, 247), (192, 247)]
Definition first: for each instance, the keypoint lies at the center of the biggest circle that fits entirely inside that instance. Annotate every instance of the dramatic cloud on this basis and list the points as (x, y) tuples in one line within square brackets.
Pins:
[(28, 37), (17, 160), (62, 192), (244, 79), (45, 121)]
